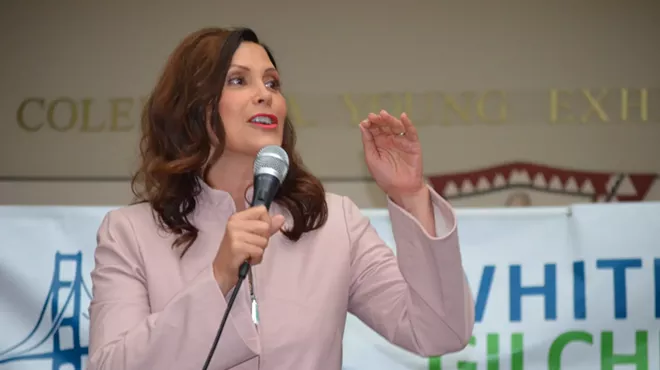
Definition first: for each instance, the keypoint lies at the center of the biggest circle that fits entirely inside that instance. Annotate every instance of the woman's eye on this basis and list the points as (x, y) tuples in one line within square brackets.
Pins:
[(235, 81), (273, 84)]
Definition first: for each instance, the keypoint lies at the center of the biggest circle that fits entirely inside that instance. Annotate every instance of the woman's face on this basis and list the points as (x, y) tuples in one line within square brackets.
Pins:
[(252, 106)]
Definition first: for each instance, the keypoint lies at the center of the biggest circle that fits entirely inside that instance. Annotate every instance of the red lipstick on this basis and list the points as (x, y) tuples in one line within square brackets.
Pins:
[(264, 120)]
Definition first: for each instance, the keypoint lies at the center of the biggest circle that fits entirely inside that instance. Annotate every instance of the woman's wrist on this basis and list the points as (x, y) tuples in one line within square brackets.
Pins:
[(224, 283)]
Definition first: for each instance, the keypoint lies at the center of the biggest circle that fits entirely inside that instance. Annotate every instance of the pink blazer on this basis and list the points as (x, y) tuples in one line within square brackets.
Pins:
[(152, 309)]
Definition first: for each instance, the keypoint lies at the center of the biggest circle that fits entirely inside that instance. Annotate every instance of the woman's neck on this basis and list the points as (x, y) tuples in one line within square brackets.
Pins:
[(233, 174)]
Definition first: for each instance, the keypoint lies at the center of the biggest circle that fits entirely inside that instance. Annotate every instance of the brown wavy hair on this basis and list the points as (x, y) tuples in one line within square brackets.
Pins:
[(175, 146)]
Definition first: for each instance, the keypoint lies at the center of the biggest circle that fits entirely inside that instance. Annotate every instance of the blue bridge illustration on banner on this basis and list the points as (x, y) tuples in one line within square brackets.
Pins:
[(35, 345)]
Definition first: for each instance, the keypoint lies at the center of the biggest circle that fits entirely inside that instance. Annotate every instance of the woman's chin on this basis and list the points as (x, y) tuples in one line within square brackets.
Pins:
[(256, 146), (250, 146), (266, 141)]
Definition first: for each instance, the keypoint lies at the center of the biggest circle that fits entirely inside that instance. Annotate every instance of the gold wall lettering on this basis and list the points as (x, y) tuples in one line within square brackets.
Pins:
[(489, 107), (598, 105), (445, 109), (360, 105), (295, 113), (476, 107), (66, 114), (642, 104)]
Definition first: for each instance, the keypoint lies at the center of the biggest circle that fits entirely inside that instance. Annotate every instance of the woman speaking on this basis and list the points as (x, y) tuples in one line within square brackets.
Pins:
[(166, 266)]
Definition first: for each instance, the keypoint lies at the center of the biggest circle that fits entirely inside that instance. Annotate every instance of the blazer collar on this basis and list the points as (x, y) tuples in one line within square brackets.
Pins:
[(217, 197)]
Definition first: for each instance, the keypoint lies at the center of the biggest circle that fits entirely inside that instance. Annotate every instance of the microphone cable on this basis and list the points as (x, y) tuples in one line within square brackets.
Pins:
[(270, 168), (242, 273)]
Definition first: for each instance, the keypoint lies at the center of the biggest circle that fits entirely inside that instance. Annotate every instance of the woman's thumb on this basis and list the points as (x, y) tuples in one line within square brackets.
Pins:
[(276, 223)]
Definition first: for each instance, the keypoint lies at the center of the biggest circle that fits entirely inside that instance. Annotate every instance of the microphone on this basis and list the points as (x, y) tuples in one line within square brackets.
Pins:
[(270, 168)]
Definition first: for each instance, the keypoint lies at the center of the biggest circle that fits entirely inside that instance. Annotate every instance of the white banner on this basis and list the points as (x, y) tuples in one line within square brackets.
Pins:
[(554, 289)]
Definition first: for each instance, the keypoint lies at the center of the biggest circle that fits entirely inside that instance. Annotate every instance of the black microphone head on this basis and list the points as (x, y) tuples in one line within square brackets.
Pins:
[(272, 160)]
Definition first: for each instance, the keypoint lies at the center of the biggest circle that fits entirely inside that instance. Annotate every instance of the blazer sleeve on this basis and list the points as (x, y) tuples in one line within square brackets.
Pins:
[(419, 299), (126, 335)]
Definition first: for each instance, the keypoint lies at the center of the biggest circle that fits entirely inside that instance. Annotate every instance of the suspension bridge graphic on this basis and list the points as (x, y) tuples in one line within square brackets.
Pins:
[(53, 324)]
